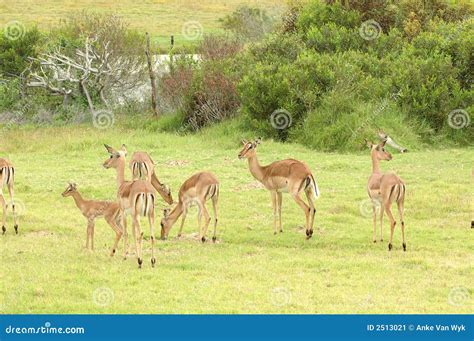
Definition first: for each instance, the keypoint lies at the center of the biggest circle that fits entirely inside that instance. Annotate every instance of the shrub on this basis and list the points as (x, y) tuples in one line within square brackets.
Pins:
[(248, 23)]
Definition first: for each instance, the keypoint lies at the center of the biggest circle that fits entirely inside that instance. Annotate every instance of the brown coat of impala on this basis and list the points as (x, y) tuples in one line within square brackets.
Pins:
[(290, 176), (383, 190), (143, 168), (92, 209), (7, 178), (198, 189), (136, 198)]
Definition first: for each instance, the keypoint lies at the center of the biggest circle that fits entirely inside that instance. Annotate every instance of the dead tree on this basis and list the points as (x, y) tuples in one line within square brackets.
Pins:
[(152, 75)]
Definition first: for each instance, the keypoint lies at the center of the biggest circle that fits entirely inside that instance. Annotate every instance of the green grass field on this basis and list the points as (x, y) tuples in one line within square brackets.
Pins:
[(46, 269), (162, 18)]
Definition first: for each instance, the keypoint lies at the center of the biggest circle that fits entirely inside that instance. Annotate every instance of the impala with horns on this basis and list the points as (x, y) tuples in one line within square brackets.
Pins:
[(7, 177), (143, 168), (92, 209), (198, 189), (136, 198), (290, 176), (383, 190)]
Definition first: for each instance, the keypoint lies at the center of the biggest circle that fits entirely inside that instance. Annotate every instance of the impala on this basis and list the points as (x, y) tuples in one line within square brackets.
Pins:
[(291, 176), (7, 177), (92, 209), (195, 191), (136, 198), (383, 190), (143, 168)]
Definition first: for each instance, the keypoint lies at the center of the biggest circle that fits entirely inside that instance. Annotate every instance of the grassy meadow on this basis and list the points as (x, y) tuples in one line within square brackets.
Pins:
[(46, 269), (162, 18)]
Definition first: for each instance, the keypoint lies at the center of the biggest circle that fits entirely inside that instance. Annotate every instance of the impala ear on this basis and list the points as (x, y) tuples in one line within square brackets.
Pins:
[(244, 142), (124, 149), (166, 212), (368, 143), (258, 141), (382, 144), (109, 149)]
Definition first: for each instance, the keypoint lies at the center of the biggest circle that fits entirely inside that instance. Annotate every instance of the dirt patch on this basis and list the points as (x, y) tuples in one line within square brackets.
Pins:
[(250, 186), (39, 234), (177, 163)]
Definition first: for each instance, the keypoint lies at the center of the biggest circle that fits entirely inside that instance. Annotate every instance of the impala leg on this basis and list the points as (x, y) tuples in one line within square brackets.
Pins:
[(137, 235), (111, 220), (214, 207), (125, 235), (306, 209), (274, 206), (392, 224), (402, 222), (374, 214), (207, 220), (185, 212), (381, 221), (279, 203), (4, 208), (151, 221), (90, 227), (11, 192), (312, 211)]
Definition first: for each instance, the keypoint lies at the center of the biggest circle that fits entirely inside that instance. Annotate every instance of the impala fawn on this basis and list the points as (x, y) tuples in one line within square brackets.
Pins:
[(92, 209), (385, 189)]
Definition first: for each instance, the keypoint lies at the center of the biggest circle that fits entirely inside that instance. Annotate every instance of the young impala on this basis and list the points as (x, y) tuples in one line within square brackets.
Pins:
[(383, 190), (143, 168), (7, 177), (92, 209), (291, 176), (196, 190), (136, 198)]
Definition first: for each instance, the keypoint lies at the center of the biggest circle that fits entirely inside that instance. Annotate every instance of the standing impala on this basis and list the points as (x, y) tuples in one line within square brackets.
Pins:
[(196, 190), (384, 189), (92, 209), (143, 168), (7, 177), (291, 176), (136, 198)]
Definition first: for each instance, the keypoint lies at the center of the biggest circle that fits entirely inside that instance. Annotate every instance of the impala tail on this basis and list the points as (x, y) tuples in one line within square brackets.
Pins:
[(212, 191), (311, 182), (8, 174), (397, 192), (144, 203), (140, 170)]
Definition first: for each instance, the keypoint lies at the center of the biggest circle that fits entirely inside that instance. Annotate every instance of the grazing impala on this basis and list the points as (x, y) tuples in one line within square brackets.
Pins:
[(383, 190), (92, 209), (7, 177), (196, 190), (136, 198), (290, 176), (143, 168)]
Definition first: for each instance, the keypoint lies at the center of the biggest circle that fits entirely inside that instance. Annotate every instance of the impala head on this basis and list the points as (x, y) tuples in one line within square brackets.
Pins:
[(378, 151), (70, 189), (115, 156), (167, 196), (249, 149), (165, 224)]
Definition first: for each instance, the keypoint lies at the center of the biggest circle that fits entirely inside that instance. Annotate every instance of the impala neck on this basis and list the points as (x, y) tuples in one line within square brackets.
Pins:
[(78, 200), (175, 214), (375, 164), (255, 168), (121, 172)]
